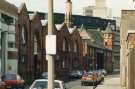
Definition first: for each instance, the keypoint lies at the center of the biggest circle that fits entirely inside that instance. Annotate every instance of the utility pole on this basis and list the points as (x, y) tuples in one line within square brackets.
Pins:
[(50, 45)]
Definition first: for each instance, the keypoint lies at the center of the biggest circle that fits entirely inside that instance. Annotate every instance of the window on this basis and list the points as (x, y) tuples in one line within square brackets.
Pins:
[(64, 45), (23, 36), (23, 58), (105, 43), (11, 45), (110, 35), (75, 47), (35, 45), (69, 48), (7, 19), (63, 64), (105, 35)]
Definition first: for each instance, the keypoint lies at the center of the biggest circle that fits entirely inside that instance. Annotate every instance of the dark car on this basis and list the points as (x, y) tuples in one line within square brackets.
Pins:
[(44, 75), (75, 74), (13, 81)]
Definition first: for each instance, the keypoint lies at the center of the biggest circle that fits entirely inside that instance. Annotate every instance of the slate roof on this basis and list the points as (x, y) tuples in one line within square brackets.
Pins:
[(108, 29), (8, 7), (92, 37), (78, 20)]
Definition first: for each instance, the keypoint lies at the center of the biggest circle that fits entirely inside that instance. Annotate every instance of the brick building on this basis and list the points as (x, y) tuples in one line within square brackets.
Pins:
[(95, 54), (112, 41), (72, 53), (30, 40), (23, 42)]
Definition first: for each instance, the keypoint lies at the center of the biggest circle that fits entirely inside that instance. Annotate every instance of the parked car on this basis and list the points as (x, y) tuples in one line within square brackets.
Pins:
[(76, 74), (90, 78), (2, 84), (104, 72), (42, 84), (44, 75), (13, 81), (100, 75)]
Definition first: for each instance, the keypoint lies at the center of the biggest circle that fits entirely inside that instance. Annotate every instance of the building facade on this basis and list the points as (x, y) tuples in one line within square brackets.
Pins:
[(30, 39), (72, 53), (79, 20), (88, 11), (127, 49), (95, 54), (8, 50), (112, 41), (99, 10)]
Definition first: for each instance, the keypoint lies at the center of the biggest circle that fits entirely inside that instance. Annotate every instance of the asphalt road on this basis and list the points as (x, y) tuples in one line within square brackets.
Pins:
[(76, 84), (111, 82)]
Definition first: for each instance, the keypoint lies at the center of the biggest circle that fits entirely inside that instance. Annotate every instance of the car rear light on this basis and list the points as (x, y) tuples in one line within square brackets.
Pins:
[(94, 78), (89, 78)]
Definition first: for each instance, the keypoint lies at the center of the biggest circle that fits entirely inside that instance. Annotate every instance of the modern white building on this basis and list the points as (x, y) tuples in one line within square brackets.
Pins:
[(88, 11), (99, 10), (8, 51)]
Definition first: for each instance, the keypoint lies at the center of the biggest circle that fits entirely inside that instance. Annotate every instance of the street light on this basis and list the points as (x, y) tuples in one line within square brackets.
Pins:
[(50, 45)]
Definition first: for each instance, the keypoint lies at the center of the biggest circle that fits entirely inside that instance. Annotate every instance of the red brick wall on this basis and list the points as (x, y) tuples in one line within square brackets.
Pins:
[(73, 60), (24, 67)]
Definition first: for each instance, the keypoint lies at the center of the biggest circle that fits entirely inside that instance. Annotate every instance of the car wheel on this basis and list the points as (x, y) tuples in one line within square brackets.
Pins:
[(82, 83)]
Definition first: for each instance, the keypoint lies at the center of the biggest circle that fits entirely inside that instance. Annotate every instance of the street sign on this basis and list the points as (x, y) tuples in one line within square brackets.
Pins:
[(51, 44)]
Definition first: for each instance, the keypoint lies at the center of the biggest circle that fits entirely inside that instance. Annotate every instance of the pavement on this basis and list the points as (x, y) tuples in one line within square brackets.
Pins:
[(110, 82)]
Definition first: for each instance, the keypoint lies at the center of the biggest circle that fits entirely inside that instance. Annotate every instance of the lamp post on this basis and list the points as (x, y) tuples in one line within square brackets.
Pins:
[(50, 45)]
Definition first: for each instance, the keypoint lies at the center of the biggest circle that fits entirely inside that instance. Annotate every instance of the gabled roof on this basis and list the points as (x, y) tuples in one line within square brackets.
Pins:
[(92, 37), (21, 7), (108, 29), (96, 36), (32, 16), (22, 11), (84, 34), (60, 26), (44, 22), (71, 30), (8, 7)]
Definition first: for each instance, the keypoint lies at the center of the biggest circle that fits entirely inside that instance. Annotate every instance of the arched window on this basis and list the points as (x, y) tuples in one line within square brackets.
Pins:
[(23, 36), (63, 64), (64, 45), (75, 47), (22, 58), (105, 43), (69, 48), (35, 45), (110, 35)]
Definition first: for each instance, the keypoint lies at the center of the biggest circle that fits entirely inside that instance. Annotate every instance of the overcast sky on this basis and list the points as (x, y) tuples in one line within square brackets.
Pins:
[(42, 5)]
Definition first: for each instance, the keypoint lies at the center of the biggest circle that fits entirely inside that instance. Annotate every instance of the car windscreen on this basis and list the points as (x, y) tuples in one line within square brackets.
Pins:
[(43, 85)]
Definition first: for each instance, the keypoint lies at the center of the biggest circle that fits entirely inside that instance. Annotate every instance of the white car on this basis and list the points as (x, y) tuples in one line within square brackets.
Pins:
[(42, 84)]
